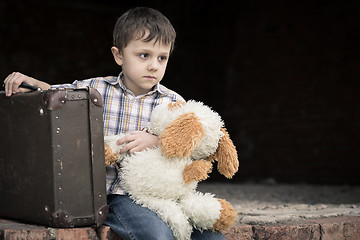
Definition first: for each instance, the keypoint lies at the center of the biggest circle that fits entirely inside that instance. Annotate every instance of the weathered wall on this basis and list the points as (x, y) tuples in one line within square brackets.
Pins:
[(283, 74)]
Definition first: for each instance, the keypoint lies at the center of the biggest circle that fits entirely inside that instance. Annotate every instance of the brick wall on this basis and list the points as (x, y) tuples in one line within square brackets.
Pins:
[(284, 74)]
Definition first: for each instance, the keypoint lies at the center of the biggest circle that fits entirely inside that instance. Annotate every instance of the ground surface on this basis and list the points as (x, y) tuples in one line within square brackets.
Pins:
[(277, 203)]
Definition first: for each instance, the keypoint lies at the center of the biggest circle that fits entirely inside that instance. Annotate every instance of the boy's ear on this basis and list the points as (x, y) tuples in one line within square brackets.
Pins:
[(117, 55)]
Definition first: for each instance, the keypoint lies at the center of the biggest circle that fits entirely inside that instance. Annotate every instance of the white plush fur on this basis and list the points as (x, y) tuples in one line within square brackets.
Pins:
[(157, 183)]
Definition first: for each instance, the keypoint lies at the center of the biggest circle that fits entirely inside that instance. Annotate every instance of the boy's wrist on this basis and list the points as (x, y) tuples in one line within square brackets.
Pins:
[(40, 84), (147, 130)]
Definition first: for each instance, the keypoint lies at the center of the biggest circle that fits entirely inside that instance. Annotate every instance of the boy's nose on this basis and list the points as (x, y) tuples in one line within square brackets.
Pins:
[(153, 65)]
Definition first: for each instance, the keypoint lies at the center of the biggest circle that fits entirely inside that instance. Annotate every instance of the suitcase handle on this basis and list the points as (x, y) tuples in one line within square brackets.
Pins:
[(28, 86)]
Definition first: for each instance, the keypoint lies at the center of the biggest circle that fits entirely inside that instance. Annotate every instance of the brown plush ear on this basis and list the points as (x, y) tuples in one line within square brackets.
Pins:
[(174, 105), (181, 137), (110, 157), (226, 155)]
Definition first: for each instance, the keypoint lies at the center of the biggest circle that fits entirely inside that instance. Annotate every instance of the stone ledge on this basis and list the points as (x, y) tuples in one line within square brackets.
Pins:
[(336, 228), (13, 230)]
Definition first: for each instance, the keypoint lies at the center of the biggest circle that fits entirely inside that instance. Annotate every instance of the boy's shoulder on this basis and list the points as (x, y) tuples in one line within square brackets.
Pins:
[(169, 93), (109, 79), (96, 82)]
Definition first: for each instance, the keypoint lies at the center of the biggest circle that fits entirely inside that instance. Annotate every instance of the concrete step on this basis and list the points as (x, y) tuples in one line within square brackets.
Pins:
[(337, 228)]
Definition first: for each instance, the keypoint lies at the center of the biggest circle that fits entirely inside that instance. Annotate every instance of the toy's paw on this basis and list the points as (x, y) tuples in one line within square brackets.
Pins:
[(227, 218), (110, 156), (197, 171)]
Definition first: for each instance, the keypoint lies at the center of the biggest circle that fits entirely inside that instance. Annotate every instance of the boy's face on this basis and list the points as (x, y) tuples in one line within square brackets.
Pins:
[(143, 64)]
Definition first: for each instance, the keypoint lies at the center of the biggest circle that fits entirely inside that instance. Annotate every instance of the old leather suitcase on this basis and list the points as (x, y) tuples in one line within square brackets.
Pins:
[(52, 158)]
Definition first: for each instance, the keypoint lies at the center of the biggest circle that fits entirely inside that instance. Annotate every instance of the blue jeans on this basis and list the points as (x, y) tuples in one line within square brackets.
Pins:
[(132, 221)]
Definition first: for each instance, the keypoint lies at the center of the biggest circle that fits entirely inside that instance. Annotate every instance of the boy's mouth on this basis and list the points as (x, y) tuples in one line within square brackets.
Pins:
[(150, 77)]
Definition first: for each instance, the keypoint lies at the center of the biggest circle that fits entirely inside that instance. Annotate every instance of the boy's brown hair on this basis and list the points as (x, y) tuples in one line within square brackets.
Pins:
[(136, 22)]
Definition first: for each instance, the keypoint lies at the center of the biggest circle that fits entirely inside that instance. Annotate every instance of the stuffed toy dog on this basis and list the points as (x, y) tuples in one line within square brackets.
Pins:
[(164, 179)]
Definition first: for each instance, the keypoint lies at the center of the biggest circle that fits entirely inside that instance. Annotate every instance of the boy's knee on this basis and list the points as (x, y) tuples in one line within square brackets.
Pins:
[(158, 236), (157, 231)]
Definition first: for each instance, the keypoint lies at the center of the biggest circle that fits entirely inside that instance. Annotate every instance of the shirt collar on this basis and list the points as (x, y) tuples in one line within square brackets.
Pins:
[(119, 80)]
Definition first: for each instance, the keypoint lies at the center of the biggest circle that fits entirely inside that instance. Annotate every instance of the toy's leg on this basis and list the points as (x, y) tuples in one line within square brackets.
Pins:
[(227, 218), (171, 213), (207, 212), (203, 210)]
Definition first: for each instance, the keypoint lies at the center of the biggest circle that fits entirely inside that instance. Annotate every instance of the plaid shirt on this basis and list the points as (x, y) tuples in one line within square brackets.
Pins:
[(123, 112)]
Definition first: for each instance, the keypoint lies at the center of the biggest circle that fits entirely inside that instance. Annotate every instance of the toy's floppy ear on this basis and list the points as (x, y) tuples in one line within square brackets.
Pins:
[(174, 105), (181, 137), (110, 156), (226, 155)]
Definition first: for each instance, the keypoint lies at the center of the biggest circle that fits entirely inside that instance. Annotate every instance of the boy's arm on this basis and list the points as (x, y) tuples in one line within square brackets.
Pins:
[(13, 81)]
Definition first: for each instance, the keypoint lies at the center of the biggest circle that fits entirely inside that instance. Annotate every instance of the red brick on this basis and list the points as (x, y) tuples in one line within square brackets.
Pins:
[(287, 232), (76, 233), (339, 228), (105, 233), (11, 230), (243, 232), (15, 234)]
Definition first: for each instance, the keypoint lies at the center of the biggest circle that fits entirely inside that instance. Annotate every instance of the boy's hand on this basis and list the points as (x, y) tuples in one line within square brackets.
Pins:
[(137, 141), (13, 81)]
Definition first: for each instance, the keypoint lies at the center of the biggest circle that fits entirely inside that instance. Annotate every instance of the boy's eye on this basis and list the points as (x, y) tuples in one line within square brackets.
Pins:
[(162, 58), (144, 55)]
